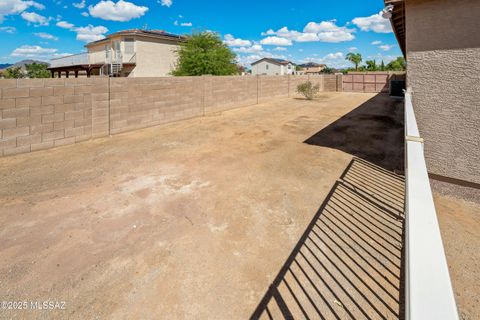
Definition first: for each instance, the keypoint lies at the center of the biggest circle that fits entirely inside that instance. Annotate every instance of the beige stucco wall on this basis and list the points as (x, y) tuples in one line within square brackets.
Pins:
[(97, 53), (443, 58), (155, 58)]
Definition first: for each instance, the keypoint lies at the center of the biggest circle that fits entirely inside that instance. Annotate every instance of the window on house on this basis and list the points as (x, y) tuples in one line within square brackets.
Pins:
[(129, 45), (266, 67), (116, 45)]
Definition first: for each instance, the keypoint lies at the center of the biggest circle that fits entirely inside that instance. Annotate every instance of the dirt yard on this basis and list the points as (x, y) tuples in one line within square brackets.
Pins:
[(187, 220), (460, 226)]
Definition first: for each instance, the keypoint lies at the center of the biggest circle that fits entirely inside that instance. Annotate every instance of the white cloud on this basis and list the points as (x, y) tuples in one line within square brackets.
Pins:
[(45, 35), (334, 59), (308, 37), (276, 41), (324, 31), (256, 48), (31, 51), (120, 11), (231, 41), (85, 14), (352, 49), (87, 34), (249, 59), (328, 31), (186, 24), (280, 49), (35, 18), (38, 52), (376, 42), (379, 57), (64, 25), (336, 55), (386, 47), (10, 7), (166, 3), (269, 32), (375, 23), (79, 5), (90, 33), (292, 35), (10, 30), (283, 33)]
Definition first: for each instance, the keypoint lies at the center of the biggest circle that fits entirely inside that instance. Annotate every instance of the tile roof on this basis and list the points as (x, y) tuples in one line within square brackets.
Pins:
[(274, 61), (149, 33)]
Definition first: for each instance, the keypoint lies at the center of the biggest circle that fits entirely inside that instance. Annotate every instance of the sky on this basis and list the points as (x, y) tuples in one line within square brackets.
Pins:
[(300, 31)]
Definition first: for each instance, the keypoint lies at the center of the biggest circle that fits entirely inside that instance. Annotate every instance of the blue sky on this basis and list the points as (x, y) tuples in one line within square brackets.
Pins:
[(300, 31)]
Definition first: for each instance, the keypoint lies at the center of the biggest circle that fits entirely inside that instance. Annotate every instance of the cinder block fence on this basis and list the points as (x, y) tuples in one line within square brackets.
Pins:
[(38, 114)]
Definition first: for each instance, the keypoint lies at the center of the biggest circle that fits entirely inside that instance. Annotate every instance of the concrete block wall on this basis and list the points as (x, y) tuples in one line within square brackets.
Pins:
[(272, 87), (223, 93), (330, 83), (317, 80), (38, 114), (326, 82), (144, 102)]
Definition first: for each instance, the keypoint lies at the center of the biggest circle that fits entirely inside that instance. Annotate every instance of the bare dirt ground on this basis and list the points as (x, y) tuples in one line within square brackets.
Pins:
[(187, 220), (460, 226)]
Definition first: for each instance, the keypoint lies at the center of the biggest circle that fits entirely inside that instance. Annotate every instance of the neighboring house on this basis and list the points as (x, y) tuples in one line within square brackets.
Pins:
[(270, 66), (128, 53), (441, 42), (310, 68)]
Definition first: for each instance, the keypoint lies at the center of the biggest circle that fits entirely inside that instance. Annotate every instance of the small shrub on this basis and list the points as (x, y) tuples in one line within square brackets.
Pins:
[(308, 90)]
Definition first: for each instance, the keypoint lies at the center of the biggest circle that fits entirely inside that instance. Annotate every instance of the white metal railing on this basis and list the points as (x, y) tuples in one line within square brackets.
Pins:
[(429, 293), (72, 60), (86, 59)]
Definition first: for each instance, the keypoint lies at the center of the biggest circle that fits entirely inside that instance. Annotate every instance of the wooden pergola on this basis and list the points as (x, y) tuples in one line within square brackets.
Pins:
[(74, 69)]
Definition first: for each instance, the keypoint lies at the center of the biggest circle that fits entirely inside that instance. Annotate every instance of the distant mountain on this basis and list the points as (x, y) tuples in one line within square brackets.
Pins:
[(5, 65), (21, 64)]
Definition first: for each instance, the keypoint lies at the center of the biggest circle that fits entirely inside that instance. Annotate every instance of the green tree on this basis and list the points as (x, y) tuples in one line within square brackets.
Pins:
[(371, 65), (382, 66), (205, 53), (14, 73), (37, 70), (354, 58), (397, 64)]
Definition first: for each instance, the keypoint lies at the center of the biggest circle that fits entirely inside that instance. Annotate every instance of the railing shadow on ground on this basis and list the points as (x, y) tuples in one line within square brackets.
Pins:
[(373, 131), (348, 264)]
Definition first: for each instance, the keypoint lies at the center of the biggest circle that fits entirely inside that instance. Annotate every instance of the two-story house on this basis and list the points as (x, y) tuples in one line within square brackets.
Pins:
[(128, 53), (311, 68), (271, 66)]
